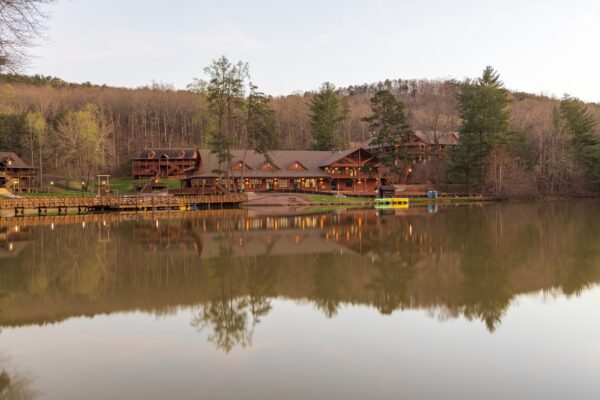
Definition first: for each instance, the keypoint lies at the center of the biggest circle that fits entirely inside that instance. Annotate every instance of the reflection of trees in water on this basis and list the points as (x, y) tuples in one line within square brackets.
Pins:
[(227, 320), (329, 282), (14, 385), (485, 289), (231, 314), (390, 284), (391, 262)]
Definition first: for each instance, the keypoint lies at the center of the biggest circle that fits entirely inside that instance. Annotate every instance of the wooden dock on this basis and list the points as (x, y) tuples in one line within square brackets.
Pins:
[(120, 203)]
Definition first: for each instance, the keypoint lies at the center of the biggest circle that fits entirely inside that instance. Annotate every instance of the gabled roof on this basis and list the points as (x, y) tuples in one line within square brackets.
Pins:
[(338, 155), (311, 160), (268, 166), (16, 161), (295, 165), (241, 164), (171, 153), (428, 137), (443, 138)]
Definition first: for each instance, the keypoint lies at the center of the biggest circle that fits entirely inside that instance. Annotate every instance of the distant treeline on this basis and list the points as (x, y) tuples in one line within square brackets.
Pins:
[(80, 129)]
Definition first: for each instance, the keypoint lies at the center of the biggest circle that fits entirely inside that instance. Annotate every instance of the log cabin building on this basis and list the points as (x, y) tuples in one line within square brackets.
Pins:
[(16, 175), (164, 163), (354, 170), (425, 145)]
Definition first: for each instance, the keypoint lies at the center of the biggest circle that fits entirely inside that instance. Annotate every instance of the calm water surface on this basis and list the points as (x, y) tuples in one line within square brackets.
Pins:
[(473, 302)]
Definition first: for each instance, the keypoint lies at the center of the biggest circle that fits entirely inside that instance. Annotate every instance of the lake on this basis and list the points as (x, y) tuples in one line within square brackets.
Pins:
[(488, 301)]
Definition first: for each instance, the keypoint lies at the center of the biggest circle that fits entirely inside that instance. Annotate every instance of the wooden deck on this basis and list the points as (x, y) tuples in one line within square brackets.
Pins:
[(120, 203)]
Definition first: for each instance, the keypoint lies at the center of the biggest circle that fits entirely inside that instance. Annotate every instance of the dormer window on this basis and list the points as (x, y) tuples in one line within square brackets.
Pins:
[(240, 165), (296, 165), (181, 154), (267, 166), (151, 154)]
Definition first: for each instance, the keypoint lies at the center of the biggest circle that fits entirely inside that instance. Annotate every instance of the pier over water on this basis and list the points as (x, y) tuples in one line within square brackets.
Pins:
[(18, 206)]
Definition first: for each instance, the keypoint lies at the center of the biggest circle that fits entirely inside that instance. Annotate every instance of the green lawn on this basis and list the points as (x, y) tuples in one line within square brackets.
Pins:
[(128, 186), (117, 186)]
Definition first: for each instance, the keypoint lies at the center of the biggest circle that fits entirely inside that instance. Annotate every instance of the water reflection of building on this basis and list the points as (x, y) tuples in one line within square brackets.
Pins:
[(14, 240), (356, 232), (456, 262)]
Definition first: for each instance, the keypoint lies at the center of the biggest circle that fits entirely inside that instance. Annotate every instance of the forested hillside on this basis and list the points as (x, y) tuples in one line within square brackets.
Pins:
[(51, 122)]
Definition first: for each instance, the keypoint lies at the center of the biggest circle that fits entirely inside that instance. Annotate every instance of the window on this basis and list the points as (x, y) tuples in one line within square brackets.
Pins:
[(309, 183), (349, 183)]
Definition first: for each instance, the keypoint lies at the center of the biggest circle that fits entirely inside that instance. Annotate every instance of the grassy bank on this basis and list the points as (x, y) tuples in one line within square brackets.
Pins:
[(117, 186), (325, 199)]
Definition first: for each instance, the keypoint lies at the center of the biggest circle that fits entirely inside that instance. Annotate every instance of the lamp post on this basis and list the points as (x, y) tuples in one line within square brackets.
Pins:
[(51, 186), (83, 188)]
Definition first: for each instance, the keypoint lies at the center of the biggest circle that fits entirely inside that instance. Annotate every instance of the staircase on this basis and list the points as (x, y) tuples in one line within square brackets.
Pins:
[(4, 192)]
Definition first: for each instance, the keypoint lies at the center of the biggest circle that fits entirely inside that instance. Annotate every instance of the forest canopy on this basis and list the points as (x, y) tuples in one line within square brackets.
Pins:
[(158, 115)]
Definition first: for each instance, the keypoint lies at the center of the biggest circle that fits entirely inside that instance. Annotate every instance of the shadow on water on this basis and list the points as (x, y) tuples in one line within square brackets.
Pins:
[(458, 262)]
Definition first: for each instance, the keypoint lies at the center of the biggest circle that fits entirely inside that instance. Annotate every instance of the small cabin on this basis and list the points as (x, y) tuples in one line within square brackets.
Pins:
[(164, 163), (16, 175)]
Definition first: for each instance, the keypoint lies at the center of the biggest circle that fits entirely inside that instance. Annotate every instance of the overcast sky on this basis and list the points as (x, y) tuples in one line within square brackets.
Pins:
[(540, 46)]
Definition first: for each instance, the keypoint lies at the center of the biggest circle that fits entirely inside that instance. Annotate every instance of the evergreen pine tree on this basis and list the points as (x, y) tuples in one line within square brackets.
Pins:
[(586, 143), (485, 121), (327, 112), (260, 125), (391, 131)]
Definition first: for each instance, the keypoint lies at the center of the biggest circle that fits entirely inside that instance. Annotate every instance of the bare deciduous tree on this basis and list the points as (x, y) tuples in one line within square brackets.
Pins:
[(22, 22)]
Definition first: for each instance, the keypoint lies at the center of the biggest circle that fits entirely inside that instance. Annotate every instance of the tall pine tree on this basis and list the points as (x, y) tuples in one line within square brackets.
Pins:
[(391, 131), (580, 124), (260, 125), (225, 98), (483, 108), (327, 112)]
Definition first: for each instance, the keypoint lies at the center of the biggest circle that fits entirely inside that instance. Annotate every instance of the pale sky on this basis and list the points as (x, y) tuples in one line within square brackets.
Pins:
[(539, 46)]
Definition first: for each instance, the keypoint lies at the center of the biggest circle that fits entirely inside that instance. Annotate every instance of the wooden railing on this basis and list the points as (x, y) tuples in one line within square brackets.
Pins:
[(119, 202)]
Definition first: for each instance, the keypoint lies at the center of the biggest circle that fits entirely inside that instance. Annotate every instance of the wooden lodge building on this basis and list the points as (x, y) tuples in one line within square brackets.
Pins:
[(164, 163), (354, 170), (16, 175), (326, 171)]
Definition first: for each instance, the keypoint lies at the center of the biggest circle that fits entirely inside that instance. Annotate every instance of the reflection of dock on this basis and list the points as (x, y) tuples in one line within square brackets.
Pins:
[(54, 220), (120, 203)]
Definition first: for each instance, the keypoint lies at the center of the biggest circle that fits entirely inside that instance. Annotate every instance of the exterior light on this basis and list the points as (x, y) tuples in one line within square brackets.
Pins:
[(52, 183)]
